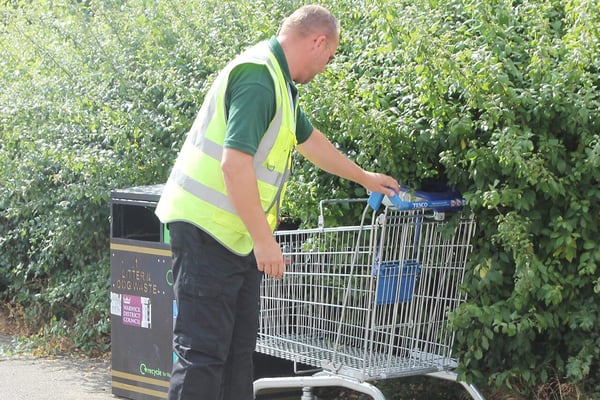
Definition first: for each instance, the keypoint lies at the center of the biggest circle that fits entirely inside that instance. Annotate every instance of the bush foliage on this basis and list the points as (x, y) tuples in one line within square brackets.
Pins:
[(498, 98)]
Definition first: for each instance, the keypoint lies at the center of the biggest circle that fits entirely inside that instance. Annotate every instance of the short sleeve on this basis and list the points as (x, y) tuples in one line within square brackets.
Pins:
[(250, 105), (303, 127)]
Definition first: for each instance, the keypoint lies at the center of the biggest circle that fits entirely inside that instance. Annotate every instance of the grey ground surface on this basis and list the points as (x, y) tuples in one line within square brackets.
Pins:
[(24, 377)]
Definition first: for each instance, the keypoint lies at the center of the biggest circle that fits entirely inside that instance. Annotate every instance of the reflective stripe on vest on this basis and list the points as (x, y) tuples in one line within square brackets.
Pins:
[(195, 191)]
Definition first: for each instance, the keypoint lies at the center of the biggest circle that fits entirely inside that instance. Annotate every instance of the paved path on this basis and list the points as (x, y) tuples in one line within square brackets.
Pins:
[(24, 377), (54, 378)]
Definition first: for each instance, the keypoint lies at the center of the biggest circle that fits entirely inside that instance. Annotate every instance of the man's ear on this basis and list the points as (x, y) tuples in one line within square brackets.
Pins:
[(320, 40)]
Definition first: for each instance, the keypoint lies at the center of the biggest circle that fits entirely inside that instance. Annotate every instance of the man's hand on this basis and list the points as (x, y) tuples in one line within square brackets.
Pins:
[(381, 183), (269, 258)]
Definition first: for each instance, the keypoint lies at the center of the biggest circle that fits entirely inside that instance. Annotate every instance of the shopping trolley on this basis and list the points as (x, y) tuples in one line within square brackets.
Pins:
[(369, 302)]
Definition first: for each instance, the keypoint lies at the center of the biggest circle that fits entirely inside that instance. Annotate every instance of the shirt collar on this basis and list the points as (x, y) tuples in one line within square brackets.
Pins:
[(280, 56)]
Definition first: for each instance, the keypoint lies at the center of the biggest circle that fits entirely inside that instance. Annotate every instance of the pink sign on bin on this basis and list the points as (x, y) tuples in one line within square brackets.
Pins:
[(135, 311)]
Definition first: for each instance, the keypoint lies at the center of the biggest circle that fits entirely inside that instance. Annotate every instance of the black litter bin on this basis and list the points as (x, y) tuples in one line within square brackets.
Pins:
[(142, 302)]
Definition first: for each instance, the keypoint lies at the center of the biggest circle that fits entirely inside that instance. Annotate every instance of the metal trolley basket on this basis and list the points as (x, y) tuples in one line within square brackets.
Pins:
[(368, 302)]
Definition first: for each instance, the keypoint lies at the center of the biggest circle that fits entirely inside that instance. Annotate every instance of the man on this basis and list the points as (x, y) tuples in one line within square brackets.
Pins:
[(222, 201)]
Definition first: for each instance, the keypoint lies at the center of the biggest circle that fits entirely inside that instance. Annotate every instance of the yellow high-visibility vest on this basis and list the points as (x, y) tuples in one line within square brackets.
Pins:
[(195, 191)]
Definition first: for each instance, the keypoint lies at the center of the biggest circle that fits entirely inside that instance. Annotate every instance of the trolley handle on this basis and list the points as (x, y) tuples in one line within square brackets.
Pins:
[(334, 201), (406, 200)]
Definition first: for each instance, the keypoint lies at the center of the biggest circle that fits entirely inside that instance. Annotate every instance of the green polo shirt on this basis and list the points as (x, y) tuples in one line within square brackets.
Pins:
[(250, 101)]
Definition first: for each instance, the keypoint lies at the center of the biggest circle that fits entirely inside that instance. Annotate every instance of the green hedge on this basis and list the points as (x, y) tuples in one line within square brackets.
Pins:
[(500, 99)]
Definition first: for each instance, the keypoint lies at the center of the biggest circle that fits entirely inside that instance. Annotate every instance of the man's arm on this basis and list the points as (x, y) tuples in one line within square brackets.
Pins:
[(319, 150), (242, 189)]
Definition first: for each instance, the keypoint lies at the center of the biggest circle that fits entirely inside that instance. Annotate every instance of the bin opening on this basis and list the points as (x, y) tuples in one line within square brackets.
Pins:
[(135, 222)]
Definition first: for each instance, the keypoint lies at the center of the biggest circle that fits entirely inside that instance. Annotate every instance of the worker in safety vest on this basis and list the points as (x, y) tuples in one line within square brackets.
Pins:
[(222, 200)]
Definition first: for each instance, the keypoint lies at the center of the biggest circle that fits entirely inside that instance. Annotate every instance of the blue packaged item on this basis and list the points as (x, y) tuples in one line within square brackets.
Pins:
[(449, 200)]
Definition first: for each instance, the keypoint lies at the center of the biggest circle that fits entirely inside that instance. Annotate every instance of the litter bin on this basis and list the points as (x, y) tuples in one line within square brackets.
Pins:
[(142, 303)]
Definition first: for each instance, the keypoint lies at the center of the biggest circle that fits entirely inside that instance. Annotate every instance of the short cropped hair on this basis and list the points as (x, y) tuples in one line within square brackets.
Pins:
[(312, 19)]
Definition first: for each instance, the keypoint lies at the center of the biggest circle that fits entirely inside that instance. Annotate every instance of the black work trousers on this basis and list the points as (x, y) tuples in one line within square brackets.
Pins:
[(217, 294)]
